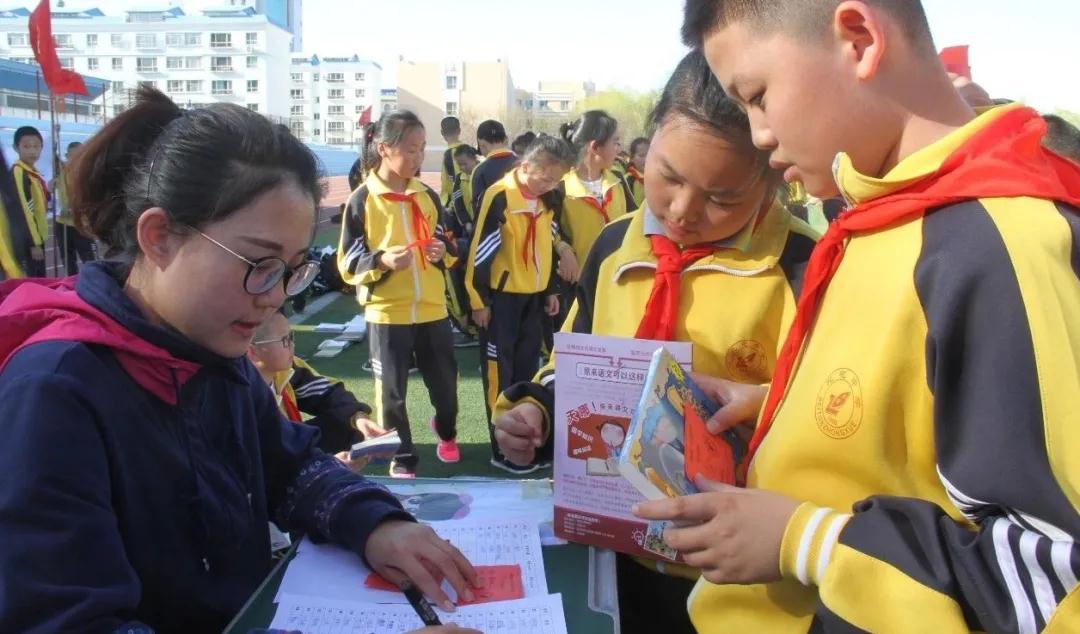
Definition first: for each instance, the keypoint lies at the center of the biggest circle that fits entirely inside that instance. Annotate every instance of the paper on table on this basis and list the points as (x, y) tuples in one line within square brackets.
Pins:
[(497, 583), (330, 571), (313, 615)]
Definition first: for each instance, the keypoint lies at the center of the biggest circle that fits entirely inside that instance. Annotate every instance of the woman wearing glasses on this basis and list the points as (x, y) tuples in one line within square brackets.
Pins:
[(141, 467)]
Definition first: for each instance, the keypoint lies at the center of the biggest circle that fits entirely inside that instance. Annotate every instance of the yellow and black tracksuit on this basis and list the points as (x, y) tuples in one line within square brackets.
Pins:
[(450, 172), (510, 271), (930, 426), (459, 221), (74, 246), (405, 310), (13, 246), (585, 214), (757, 272), (635, 180), (333, 409), (34, 198), (490, 171)]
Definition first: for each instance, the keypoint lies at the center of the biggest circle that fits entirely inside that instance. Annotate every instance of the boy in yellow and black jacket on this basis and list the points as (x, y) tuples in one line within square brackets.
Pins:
[(33, 196), (459, 222), (74, 246), (405, 310), (450, 128), (510, 274)]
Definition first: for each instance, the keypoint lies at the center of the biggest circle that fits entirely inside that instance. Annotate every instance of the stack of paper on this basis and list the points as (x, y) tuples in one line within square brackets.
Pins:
[(332, 348), (330, 328)]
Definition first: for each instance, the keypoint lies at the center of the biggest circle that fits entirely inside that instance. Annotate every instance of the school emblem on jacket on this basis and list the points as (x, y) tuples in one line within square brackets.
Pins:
[(745, 361), (839, 406)]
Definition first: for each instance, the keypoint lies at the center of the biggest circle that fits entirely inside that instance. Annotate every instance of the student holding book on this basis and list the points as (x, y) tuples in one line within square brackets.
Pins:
[(916, 466), (709, 229), (141, 468)]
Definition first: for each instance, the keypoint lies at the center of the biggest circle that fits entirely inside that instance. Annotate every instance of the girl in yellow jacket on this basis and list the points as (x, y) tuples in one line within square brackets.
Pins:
[(635, 171), (712, 248), (393, 248)]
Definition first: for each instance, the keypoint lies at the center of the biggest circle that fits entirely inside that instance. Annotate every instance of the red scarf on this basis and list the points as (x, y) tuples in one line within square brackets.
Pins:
[(662, 310), (633, 171), (420, 224), (601, 206), (292, 412), (530, 233), (1005, 159)]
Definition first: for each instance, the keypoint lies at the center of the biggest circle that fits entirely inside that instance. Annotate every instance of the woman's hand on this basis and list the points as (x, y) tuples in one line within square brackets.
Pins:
[(739, 402), (406, 551), (733, 535)]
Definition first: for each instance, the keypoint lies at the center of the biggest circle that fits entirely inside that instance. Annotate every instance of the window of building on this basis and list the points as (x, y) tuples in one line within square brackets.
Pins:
[(220, 40), (146, 40), (252, 61), (221, 63), (91, 63), (253, 85), (335, 93), (451, 82), (221, 87), (18, 39), (118, 63), (146, 64), (63, 40), (91, 40), (451, 108), (336, 78)]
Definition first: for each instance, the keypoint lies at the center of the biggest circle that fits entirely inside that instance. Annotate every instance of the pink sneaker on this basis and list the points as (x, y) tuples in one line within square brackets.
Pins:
[(446, 450)]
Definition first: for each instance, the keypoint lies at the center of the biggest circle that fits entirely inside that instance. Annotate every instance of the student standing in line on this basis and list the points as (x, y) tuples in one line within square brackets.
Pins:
[(709, 229), (33, 196), (491, 140), (450, 128), (914, 463), (510, 274), (141, 467), (394, 249), (635, 172)]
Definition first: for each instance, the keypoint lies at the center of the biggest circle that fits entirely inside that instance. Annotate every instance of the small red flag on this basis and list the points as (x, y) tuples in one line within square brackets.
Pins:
[(59, 80), (365, 117), (955, 59)]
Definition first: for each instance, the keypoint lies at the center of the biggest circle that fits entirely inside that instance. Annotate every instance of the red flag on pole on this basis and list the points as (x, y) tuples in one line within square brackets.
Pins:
[(59, 80), (365, 117), (955, 59)]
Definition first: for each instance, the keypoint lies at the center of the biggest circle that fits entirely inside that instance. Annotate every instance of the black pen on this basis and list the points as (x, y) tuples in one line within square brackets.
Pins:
[(420, 604)]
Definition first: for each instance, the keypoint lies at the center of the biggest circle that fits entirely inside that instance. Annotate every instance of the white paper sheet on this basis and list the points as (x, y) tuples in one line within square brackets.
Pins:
[(312, 615), (329, 571)]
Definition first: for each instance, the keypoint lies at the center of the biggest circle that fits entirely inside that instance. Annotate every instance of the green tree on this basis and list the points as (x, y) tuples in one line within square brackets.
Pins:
[(631, 109)]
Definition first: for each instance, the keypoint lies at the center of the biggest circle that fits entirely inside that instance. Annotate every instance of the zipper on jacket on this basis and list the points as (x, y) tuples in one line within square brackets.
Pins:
[(416, 265), (200, 519)]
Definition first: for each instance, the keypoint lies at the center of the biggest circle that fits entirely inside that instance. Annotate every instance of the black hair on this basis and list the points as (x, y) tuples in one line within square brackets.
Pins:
[(390, 129), (522, 143), (466, 150), (200, 166), (1062, 138), (549, 148), (491, 131), (636, 143), (805, 18), (694, 95), (25, 131), (450, 125), (74, 144), (593, 126), (18, 232)]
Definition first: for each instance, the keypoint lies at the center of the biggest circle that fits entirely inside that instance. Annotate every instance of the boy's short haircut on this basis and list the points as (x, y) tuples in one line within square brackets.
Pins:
[(522, 142), (805, 18), (1062, 138), (491, 131), (25, 131), (466, 150), (74, 144), (450, 125), (549, 148)]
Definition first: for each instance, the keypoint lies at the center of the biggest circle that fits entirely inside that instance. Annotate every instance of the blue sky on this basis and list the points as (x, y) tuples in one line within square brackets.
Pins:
[(1022, 50)]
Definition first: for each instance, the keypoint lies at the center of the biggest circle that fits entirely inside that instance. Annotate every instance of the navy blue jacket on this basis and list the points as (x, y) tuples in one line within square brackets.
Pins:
[(119, 508)]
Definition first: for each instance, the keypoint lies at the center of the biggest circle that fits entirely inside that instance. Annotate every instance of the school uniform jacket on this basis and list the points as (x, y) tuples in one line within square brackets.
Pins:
[(931, 426), (513, 249), (449, 173), (735, 305), (331, 407), (460, 214), (34, 197), (635, 180), (490, 171), (372, 224), (582, 220)]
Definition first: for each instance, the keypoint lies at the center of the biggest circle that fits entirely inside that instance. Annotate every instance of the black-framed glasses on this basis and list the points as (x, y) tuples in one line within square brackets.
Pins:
[(263, 274), (286, 342)]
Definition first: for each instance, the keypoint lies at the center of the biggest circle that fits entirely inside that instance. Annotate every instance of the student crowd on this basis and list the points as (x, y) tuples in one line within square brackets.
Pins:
[(877, 264)]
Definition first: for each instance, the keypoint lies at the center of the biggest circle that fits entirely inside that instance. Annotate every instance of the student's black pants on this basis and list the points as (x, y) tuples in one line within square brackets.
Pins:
[(392, 348), (73, 247), (510, 347), (650, 601)]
